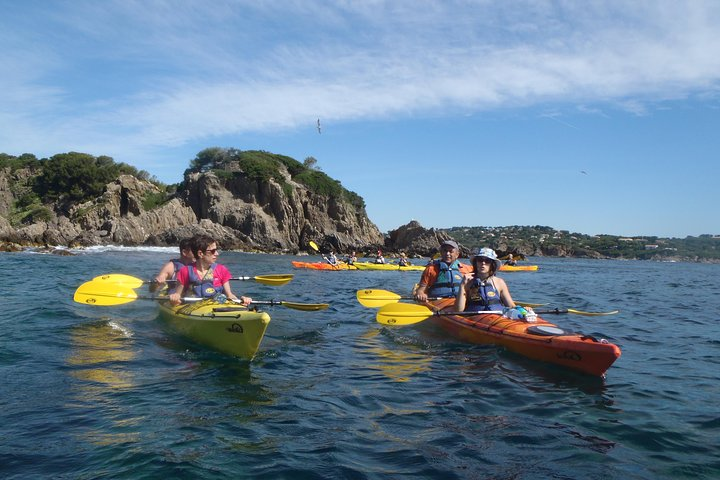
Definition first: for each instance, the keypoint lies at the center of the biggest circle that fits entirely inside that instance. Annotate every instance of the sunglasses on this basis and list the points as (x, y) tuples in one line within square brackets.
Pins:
[(484, 260), (212, 251)]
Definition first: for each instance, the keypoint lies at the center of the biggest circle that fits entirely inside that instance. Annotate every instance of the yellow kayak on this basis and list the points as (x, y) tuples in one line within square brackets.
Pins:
[(227, 328), (518, 268), (322, 265), (387, 266)]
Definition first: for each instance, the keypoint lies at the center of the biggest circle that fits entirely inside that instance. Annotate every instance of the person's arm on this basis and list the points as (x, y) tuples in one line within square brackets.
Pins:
[(223, 274), (461, 297), (229, 294), (165, 272), (505, 296), (426, 279), (420, 294), (176, 292)]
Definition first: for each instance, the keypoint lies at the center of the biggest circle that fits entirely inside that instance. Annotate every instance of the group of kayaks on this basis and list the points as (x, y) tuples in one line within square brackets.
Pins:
[(238, 331), (391, 266), (357, 266)]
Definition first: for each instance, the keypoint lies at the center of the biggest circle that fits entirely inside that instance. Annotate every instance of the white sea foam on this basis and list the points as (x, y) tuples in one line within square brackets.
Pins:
[(121, 248)]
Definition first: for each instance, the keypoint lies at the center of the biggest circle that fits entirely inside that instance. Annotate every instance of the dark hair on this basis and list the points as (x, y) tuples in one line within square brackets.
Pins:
[(200, 243), (185, 243)]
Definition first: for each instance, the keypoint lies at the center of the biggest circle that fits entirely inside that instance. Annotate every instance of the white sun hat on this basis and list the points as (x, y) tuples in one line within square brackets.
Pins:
[(488, 253)]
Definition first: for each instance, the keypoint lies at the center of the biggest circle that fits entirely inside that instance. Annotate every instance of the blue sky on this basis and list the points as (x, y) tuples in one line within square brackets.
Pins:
[(593, 117)]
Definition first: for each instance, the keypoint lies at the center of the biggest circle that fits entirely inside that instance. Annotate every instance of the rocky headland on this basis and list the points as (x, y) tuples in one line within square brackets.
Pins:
[(273, 215)]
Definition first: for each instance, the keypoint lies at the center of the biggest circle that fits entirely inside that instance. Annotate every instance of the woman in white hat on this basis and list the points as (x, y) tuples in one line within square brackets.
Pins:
[(481, 289)]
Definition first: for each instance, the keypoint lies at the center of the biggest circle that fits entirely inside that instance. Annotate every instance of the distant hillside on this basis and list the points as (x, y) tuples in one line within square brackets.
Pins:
[(539, 240)]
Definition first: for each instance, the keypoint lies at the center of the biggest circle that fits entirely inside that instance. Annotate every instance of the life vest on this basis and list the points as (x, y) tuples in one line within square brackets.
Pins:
[(448, 280), (178, 264), (483, 296), (403, 262), (203, 288)]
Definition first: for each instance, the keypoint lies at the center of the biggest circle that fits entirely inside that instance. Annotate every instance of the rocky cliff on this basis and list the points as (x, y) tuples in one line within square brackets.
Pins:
[(240, 212)]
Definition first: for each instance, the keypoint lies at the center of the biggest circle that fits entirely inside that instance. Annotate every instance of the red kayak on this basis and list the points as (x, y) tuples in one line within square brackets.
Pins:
[(540, 340)]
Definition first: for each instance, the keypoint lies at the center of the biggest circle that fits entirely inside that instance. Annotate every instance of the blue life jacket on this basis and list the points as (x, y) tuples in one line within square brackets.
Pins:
[(483, 296), (178, 266), (203, 287), (448, 280)]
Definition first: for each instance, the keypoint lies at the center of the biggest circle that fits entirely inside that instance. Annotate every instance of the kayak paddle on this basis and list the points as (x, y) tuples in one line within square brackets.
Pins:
[(105, 294), (307, 307), (134, 282), (410, 313), (377, 298)]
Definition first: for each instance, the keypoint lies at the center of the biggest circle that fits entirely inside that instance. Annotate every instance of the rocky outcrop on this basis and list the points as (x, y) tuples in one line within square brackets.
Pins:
[(240, 213), (418, 241), (268, 217)]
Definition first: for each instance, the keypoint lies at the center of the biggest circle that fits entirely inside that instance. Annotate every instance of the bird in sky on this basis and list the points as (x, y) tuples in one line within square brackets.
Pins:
[(583, 172), (318, 126)]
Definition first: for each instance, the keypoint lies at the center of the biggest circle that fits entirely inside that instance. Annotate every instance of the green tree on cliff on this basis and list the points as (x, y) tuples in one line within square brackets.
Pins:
[(78, 177)]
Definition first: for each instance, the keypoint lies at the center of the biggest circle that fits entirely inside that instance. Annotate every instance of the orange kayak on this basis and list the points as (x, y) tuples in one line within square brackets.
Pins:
[(518, 268), (539, 340)]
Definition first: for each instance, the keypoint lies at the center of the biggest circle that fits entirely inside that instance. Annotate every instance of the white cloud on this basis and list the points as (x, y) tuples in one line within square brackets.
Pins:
[(151, 74)]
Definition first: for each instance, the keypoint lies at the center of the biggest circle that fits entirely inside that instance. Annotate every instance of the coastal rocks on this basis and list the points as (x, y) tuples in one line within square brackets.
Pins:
[(6, 196), (5, 227), (270, 217), (10, 247), (275, 215), (418, 241)]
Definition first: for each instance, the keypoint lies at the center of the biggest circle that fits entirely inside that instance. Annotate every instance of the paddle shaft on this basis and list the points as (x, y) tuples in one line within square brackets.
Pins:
[(134, 282), (496, 312)]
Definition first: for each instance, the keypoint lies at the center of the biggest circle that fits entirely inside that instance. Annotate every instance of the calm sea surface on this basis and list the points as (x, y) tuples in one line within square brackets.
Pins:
[(106, 392)]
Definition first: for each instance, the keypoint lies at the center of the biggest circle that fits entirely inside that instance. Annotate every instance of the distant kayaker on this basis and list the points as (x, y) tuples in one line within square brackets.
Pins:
[(403, 260), (442, 277), (170, 269), (510, 260), (350, 259), (379, 258), (331, 259), (205, 278), (481, 289)]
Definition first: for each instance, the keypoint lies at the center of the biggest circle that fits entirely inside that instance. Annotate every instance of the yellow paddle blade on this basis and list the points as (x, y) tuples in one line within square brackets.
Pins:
[(102, 293), (403, 314), (314, 246), (592, 314), (376, 298), (121, 279), (274, 280)]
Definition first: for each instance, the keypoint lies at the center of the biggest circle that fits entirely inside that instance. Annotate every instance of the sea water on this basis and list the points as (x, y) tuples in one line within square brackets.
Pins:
[(107, 392)]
